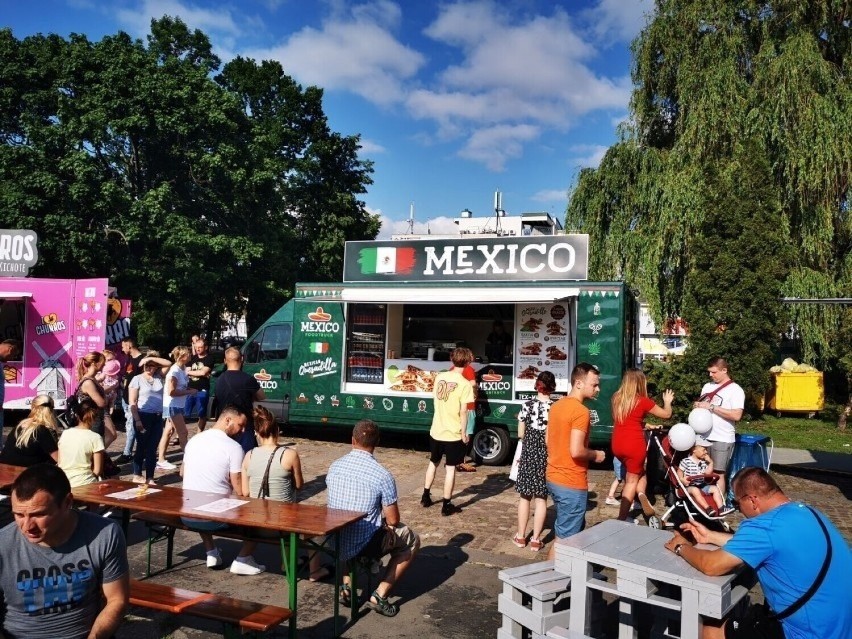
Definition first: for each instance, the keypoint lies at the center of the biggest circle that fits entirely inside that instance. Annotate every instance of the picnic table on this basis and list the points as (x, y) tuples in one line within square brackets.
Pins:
[(288, 519), (645, 572)]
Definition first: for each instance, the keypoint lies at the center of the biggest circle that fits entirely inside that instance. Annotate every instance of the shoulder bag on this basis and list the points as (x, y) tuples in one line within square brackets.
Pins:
[(759, 622)]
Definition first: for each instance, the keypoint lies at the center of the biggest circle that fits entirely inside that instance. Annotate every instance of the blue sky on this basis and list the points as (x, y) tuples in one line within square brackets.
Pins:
[(453, 100)]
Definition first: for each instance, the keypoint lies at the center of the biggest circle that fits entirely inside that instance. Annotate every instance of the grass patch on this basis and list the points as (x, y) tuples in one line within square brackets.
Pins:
[(819, 433)]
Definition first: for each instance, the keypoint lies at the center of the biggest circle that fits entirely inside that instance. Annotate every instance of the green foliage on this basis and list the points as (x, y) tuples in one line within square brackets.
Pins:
[(195, 193), (716, 83)]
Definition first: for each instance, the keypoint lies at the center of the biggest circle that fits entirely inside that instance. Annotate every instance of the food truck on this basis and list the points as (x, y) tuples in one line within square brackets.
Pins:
[(371, 346), (53, 321)]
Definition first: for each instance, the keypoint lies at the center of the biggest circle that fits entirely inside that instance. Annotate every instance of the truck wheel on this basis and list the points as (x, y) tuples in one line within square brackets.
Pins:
[(491, 446)]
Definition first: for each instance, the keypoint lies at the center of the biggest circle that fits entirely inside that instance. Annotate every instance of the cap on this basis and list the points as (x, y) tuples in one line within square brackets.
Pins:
[(700, 441)]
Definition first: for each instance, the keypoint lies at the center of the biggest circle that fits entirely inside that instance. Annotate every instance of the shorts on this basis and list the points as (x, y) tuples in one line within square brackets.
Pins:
[(454, 451), (391, 541), (171, 411), (720, 453), (618, 468), (196, 405), (570, 509), (471, 420)]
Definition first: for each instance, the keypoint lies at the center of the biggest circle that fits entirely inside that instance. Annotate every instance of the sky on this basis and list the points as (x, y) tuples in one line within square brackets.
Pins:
[(452, 100)]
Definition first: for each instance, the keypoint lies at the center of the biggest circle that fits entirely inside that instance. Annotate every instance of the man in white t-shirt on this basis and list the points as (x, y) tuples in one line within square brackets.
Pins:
[(212, 463), (725, 400)]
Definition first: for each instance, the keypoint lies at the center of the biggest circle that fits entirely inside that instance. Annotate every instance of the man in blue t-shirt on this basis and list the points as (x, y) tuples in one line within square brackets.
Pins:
[(786, 546)]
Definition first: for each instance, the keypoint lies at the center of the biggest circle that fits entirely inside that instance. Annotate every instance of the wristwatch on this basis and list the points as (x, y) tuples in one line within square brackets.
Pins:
[(677, 549)]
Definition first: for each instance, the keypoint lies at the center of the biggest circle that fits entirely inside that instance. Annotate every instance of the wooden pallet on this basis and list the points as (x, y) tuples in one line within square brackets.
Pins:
[(535, 599)]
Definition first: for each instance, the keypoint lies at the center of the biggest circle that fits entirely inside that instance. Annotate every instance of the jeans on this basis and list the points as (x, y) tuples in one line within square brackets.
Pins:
[(146, 444), (570, 509), (129, 431)]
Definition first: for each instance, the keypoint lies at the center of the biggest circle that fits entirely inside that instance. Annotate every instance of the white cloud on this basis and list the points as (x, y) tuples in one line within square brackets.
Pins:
[(516, 79), (354, 51), (436, 226), (218, 22), (587, 155), (619, 19), (495, 146), (551, 195), (369, 147)]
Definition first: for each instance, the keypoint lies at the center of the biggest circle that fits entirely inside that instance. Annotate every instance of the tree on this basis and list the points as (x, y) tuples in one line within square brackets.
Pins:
[(711, 76), (185, 188)]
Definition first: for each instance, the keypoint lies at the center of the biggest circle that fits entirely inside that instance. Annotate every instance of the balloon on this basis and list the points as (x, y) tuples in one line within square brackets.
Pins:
[(682, 437), (701, 420)]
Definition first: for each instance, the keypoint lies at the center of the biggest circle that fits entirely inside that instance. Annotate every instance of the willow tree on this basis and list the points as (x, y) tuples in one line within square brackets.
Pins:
[(708, 76)]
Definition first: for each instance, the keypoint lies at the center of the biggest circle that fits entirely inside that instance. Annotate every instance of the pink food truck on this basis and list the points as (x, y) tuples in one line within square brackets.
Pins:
[(54, 321)]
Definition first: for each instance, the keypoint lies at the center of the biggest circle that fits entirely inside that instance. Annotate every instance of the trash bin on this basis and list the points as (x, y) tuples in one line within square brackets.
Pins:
[(797, 393), (749, 450)]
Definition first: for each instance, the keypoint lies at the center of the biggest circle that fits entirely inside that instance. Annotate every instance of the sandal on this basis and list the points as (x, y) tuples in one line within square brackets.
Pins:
[(382, 605), (536, 544), (345, 598), (520, 542), (466, 467)]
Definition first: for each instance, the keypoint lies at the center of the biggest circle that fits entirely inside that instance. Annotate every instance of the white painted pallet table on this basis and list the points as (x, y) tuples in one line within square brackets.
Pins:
[(645, 572), (563, 633), (530, 598)]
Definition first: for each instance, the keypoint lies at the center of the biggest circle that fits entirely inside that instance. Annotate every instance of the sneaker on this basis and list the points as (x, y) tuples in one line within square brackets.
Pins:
[(449, 508), (520, 542), (536, 544), (123, 459), (612, 501), (246, 566), (647, 508), (214, 559), (166, 465), (426, 500)]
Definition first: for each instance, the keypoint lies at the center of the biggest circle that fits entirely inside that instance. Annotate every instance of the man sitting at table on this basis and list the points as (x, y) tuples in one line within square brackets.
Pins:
[(212, 462), (786, 543), (358, 482), (63, 572)]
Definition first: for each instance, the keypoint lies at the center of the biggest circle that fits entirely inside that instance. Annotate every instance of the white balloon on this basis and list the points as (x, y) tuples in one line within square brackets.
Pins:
[(682, 437), (701, 420)]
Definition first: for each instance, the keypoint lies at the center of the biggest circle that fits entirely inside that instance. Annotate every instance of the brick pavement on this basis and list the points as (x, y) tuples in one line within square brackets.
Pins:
[(453, 585)]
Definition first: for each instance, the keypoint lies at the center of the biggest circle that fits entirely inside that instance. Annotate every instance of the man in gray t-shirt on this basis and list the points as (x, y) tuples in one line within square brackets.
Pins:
[(58, 565)]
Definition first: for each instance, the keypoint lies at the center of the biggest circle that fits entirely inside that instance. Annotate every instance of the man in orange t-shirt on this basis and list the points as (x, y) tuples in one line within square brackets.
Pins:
[(568, 452)]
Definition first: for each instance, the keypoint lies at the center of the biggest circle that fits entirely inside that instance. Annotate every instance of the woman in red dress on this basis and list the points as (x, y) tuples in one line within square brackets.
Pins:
[(630, 405)]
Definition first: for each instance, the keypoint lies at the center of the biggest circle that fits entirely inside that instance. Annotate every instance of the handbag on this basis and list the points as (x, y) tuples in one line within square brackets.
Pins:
[(759, 622), (516, 461), (263, 492)]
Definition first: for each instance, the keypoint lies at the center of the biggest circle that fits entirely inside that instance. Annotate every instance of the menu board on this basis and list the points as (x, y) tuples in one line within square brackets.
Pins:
[(542, 343)]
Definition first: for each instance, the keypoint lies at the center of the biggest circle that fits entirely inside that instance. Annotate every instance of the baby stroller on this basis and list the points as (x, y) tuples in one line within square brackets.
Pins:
[(681, 505)]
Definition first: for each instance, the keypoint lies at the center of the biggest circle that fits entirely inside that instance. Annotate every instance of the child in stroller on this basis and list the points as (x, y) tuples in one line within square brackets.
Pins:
[(696, 472), (682, 506)]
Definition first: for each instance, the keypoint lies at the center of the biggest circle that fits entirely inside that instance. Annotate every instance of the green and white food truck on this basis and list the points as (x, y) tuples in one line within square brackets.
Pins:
[(370, 347)]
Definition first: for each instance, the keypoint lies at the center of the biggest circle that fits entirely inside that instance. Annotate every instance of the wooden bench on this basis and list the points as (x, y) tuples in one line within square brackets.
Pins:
[(162, 527), (238, 616)]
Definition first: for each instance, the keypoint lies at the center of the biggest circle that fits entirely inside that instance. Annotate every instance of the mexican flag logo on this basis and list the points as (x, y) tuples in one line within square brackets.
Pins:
[(386, 260)]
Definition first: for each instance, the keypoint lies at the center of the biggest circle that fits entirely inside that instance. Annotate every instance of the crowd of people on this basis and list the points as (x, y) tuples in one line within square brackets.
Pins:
[(240, 455)]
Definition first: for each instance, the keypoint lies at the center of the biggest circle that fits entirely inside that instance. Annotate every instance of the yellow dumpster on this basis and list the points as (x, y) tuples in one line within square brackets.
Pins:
[(797, 393)]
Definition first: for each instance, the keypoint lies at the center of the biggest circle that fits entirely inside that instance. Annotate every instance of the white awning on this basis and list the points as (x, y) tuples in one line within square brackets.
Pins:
[(17, 295), (456, 295)]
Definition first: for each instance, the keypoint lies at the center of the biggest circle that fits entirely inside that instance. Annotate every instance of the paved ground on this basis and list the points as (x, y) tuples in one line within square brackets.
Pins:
[(451, 590)]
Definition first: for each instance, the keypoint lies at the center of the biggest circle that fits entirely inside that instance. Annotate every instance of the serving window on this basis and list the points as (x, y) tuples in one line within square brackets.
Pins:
[(432, 331)]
